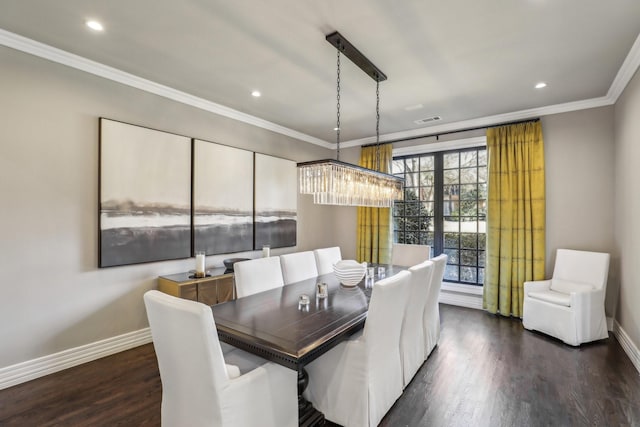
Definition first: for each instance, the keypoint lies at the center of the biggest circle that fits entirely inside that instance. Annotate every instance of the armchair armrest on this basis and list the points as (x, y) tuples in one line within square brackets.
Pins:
[(537, 285), (588, 307)]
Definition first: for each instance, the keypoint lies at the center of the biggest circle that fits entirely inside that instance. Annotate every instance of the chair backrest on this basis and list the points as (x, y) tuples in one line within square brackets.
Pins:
[(382, 339), (412, 335), (257, 275), (407, 255), (439, 265), (192, 368), (298, 266), (326, 257), (590, 268)]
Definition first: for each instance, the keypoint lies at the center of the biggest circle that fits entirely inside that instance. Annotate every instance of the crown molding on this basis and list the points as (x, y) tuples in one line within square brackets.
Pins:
[(63, 57), (626, 72), (24, 44), (484, 121)]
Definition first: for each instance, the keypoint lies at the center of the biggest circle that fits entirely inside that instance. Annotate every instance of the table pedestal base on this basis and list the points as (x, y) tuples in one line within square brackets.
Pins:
[(308, 416)]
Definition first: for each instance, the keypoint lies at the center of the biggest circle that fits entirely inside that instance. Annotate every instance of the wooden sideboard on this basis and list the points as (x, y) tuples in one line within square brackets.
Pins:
[(217, 287)]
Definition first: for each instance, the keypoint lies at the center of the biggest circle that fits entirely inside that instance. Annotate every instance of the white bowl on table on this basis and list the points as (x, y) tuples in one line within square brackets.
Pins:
[(349, 272)]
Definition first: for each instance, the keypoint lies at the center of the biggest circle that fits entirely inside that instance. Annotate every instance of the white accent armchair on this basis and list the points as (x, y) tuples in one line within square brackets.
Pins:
[(570, 306), (408, 255), (200, 386), (355, 383)]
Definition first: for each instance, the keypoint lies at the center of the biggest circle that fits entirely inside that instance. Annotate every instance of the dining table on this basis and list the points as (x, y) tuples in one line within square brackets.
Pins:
[(282, 326)]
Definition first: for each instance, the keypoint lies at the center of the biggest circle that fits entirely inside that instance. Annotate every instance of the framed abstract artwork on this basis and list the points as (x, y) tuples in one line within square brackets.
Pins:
[(276, 201), (145, 195), (222, 198)]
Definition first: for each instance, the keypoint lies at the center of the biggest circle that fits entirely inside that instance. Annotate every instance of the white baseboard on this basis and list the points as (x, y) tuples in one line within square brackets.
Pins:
[(36, 368), (627, 345)]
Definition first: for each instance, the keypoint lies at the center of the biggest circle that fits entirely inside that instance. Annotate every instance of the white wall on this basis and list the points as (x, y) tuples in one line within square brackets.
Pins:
[(627, 206), (53, 297)]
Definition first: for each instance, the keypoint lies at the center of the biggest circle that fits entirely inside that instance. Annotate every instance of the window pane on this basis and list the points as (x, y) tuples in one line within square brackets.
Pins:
[(469, 175), (426, 163), (451, 160), (411, 179), (468, 274), (482, 157), (451, 273), (482, 174), (426, 178), (451, 240), (468, 208), (481, 259), (451, 176), (468, 159), (397, 166), (468, 225), (451, 225), (410, 194), (468, 240), (452, 256), (482, 191), (426, 193), (412, 223), (411, 164), (468, 258), (469, 192), (481, 239), (481, 276), (427, 209)]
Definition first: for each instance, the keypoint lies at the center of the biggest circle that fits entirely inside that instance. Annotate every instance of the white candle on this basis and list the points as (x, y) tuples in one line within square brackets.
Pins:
[(266, 251), (200, 263)]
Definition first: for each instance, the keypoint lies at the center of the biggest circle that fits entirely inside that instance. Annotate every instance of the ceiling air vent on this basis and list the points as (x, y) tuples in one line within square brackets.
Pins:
[(427, 120)]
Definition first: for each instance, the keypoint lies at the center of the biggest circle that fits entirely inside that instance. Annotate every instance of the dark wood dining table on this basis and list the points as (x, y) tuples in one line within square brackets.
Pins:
[(274, 325)]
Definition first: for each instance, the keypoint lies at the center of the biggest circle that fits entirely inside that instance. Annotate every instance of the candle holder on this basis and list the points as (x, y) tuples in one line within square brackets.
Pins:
[(200, 260)]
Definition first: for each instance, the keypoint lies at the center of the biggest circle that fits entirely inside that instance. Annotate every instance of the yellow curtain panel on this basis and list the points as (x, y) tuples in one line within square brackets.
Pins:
[(374, 224), (516, 215)]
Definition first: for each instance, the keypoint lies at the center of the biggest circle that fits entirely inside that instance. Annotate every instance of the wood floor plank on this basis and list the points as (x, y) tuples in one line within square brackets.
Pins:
[(485, 371)]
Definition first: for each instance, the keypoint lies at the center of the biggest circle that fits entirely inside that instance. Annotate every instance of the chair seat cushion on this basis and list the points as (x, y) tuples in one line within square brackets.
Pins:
[(552, 296), (568, 286)]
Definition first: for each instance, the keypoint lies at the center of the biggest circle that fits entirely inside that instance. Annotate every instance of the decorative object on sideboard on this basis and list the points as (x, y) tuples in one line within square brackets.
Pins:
[(229, 262), (200, 261)]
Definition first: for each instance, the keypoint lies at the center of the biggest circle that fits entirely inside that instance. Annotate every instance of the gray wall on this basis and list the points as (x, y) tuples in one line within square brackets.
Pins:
[(53, 295), (627, 206)]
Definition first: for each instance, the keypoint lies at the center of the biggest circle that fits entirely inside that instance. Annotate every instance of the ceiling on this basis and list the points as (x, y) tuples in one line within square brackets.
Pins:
[(467, 61)]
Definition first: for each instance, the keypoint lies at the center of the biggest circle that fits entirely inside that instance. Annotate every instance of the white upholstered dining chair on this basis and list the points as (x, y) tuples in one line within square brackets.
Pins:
[(570, 306), (326, 257), (407, 255), (298, 266), (200, 386), (257, 275), (356, 383), (431, 317), (412, 345)]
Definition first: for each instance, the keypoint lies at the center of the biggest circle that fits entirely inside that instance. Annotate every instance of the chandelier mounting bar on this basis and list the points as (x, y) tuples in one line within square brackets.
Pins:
[(350, 51)]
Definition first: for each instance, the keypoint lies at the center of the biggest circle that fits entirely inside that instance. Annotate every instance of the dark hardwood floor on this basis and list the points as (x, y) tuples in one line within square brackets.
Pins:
[(485, 371)]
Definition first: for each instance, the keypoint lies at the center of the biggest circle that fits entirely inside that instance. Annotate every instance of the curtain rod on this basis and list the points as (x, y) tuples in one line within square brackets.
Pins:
[(438, 135)]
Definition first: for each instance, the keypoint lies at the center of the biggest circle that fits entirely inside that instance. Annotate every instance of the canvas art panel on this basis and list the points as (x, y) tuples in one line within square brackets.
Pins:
[(276, 201), (222, 198), (145, 195)]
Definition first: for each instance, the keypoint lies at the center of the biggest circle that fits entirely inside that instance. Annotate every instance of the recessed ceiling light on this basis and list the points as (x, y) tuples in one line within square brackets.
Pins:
[(95, 25), (541, 85), (413, 107), (336, 128), (256, 93)]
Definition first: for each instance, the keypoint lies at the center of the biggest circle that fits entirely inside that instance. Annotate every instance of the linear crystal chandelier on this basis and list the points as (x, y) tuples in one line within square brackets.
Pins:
[(333, 182)]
